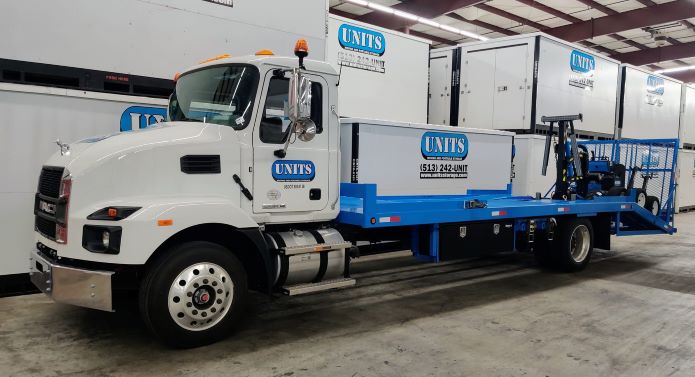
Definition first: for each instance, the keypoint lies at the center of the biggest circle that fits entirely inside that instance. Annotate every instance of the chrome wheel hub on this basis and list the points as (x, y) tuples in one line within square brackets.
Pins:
[(579, 243), (200, 296)]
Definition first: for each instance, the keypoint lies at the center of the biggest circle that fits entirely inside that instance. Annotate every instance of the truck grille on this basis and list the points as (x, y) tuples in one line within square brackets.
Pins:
[(46, 227), (49, 181)]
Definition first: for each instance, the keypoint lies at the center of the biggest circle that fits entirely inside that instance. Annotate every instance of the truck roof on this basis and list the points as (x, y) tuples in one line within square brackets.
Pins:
[(280, 61)]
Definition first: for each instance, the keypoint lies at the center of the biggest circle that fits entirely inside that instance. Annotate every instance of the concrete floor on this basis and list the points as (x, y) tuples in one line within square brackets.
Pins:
[(631, 313)]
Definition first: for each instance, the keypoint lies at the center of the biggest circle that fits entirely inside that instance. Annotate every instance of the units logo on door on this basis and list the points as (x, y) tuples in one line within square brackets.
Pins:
[(293, 171), (444, 147), (361, 48), (136, 117), (583, 67), (655, 90)]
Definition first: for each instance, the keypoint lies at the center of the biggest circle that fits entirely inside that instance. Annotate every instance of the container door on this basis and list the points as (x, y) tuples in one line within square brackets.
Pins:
[(298, 182), (477, 89), (440, 88), (510, 88)]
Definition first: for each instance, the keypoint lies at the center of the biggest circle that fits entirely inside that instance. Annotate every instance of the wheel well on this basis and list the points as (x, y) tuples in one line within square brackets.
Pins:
[(247, 244)]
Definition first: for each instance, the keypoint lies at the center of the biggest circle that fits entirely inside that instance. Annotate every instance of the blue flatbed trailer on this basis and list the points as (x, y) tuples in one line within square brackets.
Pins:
[(361, 206)]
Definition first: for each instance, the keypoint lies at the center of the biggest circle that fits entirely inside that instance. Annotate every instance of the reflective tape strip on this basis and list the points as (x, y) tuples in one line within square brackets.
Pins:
[(498, 213), (390, 219)]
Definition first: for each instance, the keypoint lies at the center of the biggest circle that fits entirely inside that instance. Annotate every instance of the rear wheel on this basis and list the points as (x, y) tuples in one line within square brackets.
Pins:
[(194, 295), (575, 245), (652, 205)]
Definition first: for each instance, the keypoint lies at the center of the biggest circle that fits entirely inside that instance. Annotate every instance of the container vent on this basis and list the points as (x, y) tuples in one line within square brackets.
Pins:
[(201, 164)]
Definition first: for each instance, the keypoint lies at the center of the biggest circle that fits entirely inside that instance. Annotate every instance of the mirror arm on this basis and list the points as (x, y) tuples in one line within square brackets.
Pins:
[(281, 153)]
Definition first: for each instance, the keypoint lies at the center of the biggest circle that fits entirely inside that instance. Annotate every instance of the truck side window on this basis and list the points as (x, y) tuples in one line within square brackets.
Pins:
[(273, 121)]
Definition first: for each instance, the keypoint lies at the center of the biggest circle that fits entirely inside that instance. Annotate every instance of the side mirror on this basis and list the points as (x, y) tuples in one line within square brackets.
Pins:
[(299, 98)]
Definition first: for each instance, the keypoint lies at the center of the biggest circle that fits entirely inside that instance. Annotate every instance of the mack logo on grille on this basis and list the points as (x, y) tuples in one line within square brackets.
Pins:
[(581, 62), (293, 170), (47, 207), (360, 39), (444, 146)]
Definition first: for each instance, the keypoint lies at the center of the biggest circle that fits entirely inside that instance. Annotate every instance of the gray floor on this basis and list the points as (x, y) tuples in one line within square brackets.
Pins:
[(631, 313)]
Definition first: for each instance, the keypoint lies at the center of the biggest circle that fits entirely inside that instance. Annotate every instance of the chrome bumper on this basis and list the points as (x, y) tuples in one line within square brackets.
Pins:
[(74, 286)]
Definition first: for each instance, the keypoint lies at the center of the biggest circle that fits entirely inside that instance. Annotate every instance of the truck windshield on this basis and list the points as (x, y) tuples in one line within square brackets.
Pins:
[(221, 95)]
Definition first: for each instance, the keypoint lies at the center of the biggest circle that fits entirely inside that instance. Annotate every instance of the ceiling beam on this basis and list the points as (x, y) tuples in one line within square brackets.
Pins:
[(637, 18), (423, 8), (599, 7), (685, 76), (659, 54), (482, 24), (551, 11), (511, 16)]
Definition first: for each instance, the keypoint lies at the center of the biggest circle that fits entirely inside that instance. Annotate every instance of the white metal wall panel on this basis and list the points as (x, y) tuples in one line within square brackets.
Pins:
[(651, 105), (32, 121), (559, 92), (385, 80), (510, 89), (155, 38), (477, 103), (440, 87), (685, 193), (687, 126)]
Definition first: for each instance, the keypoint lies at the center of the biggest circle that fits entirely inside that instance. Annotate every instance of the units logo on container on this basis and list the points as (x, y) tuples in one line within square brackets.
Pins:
[(136, 117), (362, 48), (293, 170), (583, 67), (444, 147), (655, 90)]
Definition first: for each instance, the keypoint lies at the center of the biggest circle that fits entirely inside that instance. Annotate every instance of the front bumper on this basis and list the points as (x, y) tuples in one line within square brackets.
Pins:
[(69, 285)]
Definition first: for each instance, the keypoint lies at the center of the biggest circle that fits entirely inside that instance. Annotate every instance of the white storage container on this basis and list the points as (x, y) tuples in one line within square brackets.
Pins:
[(33, 118), (155, 38), (685, 197), (687, 126), (528, 163), (650, 105), (424, 159), (383, 73), (509, 83)]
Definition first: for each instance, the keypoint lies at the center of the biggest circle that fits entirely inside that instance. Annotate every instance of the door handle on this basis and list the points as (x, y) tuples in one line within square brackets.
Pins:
[(502, 88)]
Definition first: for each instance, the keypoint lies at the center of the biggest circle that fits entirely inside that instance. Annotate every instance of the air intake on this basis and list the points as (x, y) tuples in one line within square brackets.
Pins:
[(201, 164)]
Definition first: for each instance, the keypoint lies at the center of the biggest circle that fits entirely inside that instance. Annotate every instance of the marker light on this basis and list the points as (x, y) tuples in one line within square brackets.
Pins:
[(176, 76), (112, 212), (264, 52), (218, 57), (166, 222), (301, 47)]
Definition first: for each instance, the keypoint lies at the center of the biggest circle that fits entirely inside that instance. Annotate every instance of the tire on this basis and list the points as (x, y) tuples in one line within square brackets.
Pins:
[(616, 191), (653, 205), (194, 295), (641, 198), (575, 245)]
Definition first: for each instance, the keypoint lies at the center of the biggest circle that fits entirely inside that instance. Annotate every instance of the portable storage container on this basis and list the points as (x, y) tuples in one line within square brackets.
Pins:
[(509, 83), (650, 104), (424, 159), (685, 191), (687, 124), (375, 66), (528, 160), (33, 118)]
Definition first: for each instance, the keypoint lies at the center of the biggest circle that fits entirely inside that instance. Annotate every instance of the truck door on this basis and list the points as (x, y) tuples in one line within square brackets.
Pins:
[(298, 182)]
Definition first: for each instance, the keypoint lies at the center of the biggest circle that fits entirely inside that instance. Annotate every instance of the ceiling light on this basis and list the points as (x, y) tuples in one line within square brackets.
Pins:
[(413, 17)]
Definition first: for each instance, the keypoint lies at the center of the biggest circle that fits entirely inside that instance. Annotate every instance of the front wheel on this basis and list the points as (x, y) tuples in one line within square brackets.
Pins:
[(194, 294)]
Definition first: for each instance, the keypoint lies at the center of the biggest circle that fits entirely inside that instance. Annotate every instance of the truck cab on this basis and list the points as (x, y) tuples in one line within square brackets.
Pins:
[(236, 190)]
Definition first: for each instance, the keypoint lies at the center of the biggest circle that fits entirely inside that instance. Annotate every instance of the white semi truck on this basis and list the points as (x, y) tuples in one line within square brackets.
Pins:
[(241, 189)]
